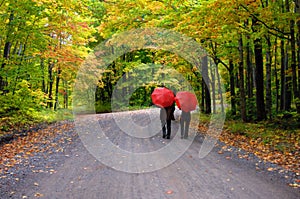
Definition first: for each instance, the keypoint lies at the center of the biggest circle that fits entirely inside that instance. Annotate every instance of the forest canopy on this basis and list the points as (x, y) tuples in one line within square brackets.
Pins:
[(253, 45)]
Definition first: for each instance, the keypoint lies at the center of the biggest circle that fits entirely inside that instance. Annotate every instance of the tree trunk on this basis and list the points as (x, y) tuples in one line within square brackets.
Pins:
[(213, 88), (232, 87), (282, 77), (220, 92), (43, 75), (259, 79), (241, 81), (249, 73), (56, 104), (206, 85), (66, 96), (268, 79), (50, 73), (297, 10), (276, 77), (6, 53), (202, 95), (288, 82), (249, 79)]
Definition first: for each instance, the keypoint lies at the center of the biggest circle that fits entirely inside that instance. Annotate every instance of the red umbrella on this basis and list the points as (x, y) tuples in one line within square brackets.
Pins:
[(162, 97), (186, 101)]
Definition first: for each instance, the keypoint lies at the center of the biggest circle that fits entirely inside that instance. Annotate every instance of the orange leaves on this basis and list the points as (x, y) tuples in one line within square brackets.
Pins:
[(22, 148), (289, 160)]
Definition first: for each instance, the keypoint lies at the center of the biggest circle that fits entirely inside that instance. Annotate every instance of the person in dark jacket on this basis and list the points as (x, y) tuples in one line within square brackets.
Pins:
[(166, 116), (185, 120)]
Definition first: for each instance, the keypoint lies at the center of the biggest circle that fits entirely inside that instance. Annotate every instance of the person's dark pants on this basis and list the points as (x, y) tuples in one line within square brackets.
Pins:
[(166, 128), (185, 123)]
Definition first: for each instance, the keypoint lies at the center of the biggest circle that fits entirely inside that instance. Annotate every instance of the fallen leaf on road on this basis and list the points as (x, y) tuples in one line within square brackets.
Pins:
[(38, 195), (295, 185), (169, 192), (270, 169)]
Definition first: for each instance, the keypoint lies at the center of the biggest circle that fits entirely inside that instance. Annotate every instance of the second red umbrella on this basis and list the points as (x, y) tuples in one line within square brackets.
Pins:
[(162, 97), (186, 101)]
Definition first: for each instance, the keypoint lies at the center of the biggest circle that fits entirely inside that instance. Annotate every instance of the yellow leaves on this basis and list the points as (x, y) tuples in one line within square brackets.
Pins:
[(295, 185), (156, 7)]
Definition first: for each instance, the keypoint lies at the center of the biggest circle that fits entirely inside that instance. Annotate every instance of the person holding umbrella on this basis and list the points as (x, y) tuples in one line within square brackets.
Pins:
[(166, 116), (186, 102), (164, 98)]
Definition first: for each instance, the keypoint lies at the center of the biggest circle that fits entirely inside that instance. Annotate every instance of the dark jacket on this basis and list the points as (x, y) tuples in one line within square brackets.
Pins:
[(167, 113)]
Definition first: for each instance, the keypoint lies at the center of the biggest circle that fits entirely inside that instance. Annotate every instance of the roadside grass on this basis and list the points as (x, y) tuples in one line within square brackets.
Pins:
[(276, 141), (283, 136), (271, 135), (22, 121)]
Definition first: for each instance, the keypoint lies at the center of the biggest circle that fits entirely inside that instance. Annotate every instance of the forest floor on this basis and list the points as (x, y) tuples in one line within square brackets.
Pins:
[(237, 167)]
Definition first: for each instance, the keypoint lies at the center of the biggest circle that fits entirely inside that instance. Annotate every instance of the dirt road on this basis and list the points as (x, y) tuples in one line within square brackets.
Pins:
[(74, 173)]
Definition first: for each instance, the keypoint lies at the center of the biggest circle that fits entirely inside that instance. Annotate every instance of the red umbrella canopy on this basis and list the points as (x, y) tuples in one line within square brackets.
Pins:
[(186, 101), (162, 97)]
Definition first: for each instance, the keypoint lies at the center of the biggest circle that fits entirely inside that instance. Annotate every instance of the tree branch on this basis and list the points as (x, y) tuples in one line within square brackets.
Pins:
[(266, 25)]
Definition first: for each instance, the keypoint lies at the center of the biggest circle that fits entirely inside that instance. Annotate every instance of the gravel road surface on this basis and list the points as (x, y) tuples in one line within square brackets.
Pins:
[(70, 171)]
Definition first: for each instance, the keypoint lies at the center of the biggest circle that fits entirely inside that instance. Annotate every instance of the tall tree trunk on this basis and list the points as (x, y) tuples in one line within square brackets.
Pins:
[(249, 79), (249, 74), (42, 63), (293, 60), (241, 81), (297, 10), (232, 87), (268, 79), (259, 79), (220, 92), (66, 94), (206, 85), (288, 82), (213, 88), (6, 53), (276, 77), (50, 73), (56, 104), (282, 77), (202, 105)]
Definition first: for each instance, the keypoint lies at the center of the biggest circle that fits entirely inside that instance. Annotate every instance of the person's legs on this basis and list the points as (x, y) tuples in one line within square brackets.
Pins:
[(163, 125), (187, 124), (168, 129), (186, 129), (182, 126)]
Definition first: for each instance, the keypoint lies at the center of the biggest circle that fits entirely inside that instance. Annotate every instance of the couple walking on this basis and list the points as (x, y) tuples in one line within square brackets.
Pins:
[(167, 115), (165, 99)]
